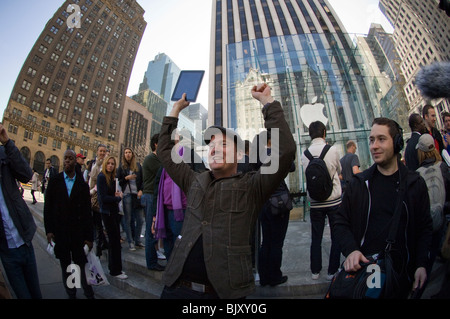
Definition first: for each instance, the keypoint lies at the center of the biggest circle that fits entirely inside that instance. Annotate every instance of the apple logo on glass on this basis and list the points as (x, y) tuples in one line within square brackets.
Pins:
[(313, 112)]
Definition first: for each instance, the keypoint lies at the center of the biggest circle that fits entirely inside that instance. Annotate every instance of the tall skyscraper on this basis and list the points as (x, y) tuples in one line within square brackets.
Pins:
[(422, 36), (160, 79), (71, 90), (301, 48), (161, 76), (381, 70), (155, 104)]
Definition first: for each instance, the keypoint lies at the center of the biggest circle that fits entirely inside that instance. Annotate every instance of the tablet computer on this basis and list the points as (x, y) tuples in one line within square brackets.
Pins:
[(188, 82)]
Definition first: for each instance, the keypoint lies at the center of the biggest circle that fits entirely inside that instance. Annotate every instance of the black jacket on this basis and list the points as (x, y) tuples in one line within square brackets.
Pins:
[(411, 158), (122, 173), (109, 203), (14, 167), (68, 218), (352, 217)]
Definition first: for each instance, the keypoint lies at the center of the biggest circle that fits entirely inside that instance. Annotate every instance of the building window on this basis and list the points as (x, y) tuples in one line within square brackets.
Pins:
[(42, 139), (52, 98), (56, 144), (12, 129), (21, 98), (40, 92), (42, 49), (48, 39), (31, 72), (28, 135), (54, 57), (26, 85), (35, 106), (68, 93), (49, 111), (37, 60), (54, 30)]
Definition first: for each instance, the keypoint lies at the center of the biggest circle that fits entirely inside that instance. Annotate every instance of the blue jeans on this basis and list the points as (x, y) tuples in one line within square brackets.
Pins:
[(274, 228), (151, 257), (134, 220), (21, 269), (317, 216), (173, 229)]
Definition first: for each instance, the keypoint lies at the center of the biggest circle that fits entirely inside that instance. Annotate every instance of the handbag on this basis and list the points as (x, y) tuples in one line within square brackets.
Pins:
[(135, 201), (94, 202), (378, 278), (280, 203), (95, 276)]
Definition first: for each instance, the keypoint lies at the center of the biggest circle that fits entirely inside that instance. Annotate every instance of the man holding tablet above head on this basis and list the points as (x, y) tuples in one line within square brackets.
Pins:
[(212, 256)]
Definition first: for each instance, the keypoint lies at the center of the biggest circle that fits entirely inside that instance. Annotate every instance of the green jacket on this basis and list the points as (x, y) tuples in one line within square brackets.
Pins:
[(223, 211), (150, 168)]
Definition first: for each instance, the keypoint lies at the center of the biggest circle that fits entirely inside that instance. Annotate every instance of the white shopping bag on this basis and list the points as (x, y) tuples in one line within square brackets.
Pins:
[(446, 157), (51, 248), (95, 276)]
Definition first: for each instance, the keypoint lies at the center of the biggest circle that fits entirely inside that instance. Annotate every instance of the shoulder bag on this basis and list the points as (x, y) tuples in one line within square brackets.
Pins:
[(378, 278)]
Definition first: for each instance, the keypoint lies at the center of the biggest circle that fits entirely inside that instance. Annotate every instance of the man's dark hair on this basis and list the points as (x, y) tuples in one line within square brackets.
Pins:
[(426, 108), (101, 145), (392, 125), (317, 129), (154, 141), (444, 115), (414, 121)]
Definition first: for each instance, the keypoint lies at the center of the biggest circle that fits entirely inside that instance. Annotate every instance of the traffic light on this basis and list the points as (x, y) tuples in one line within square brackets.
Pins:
[(445, 5)]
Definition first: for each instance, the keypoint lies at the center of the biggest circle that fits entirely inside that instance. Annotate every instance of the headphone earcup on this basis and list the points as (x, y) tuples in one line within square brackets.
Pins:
[(398, 139), (398, 143)]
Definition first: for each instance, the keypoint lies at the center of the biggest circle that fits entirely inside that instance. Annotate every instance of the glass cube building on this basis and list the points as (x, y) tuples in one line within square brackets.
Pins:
[(314, 68)]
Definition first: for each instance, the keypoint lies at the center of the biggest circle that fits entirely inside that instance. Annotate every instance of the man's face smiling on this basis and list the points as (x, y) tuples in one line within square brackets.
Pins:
[(381, 145), (222, 156)]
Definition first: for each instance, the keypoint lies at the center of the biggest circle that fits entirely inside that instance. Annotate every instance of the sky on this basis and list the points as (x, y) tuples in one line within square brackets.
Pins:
[(179, 28)]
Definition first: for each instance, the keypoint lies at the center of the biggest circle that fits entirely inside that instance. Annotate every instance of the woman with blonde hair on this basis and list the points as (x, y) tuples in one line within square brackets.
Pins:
[(130, 179), (109, 198)]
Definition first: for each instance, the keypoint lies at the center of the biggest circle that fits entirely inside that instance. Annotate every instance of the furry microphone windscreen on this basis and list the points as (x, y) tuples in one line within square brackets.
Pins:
[(433, 80)]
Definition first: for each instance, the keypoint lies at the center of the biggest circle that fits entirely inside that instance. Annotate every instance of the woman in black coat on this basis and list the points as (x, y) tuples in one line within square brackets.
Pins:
[(109, 199)]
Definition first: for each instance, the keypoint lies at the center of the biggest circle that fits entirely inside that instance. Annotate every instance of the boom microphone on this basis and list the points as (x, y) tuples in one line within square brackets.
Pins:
[(433, 80)]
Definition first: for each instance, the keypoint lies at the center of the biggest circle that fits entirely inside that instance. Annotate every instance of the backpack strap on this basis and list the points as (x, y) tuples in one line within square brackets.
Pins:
[(322, 154), (325, 151), (308, 155)]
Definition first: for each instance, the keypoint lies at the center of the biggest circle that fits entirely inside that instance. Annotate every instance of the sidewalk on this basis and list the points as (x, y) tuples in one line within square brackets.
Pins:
[(144, 283), (295, 263)]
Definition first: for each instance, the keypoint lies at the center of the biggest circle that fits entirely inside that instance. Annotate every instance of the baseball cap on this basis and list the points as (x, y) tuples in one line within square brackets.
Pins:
[(426, 143), (79, 155), (229, 133)]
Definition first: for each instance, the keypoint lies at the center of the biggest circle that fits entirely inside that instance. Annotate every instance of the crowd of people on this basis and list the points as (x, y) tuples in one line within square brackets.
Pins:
[(207, 216)]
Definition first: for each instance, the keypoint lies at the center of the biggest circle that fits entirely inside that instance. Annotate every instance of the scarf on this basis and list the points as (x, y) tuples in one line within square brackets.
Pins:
[(177, 203)]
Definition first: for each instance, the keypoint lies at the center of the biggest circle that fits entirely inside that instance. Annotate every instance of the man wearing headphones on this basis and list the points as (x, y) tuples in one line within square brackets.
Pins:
[(362, 222)]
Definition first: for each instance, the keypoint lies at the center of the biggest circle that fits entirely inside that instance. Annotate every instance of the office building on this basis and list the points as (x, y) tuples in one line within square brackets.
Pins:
[(161, 76), (135, 130), (155, 104), (422, 36), (71, 90)]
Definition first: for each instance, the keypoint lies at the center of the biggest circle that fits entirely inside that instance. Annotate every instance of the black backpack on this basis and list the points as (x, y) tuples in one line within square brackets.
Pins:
[(318, 181)]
